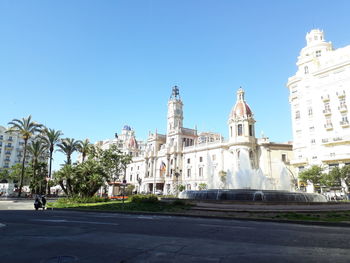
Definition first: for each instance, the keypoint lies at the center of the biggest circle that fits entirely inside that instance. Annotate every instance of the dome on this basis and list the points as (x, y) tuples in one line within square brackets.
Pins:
[(132, 142), (241, 109), (127, 127)]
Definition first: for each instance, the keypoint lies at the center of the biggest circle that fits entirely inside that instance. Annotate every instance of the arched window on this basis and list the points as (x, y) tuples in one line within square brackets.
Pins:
[(239, 129)]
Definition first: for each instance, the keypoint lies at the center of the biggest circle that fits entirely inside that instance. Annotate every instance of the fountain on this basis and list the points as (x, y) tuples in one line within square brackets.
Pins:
[(247, 184)]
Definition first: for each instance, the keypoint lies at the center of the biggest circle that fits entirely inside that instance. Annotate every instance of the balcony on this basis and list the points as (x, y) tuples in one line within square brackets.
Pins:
[(325, 98), (328, 126), (341, 94), (343, 108), (344, 124), (327, 112)]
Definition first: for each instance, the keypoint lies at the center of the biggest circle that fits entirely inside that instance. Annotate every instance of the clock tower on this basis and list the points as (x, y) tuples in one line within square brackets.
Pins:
[(175, 113)]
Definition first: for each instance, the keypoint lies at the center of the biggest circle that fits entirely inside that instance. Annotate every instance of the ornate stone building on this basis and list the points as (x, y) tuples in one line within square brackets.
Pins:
[(319, 96), (185, 157)]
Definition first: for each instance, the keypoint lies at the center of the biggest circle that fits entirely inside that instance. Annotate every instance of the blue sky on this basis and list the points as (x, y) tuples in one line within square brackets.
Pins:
[(89, 67)]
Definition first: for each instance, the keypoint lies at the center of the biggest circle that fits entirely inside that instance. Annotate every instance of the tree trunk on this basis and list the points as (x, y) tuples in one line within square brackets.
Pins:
[(23, 163), (50, 168), (63, 188)]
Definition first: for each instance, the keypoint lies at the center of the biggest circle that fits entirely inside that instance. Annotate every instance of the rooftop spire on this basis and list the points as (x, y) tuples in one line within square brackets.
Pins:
[(175, 94)]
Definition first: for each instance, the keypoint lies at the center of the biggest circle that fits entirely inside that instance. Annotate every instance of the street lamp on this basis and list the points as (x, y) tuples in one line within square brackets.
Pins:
[(177, 174)]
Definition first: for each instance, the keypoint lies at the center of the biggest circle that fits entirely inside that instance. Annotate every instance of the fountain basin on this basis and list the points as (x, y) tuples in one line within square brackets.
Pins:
[(252, 195)]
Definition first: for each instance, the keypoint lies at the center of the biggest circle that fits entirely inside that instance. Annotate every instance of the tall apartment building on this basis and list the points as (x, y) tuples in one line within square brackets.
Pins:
[(319, 96), (11, 148)]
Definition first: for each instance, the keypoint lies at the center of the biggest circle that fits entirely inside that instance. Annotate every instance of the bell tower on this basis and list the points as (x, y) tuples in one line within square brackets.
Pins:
[(175, 113), (241, 121)]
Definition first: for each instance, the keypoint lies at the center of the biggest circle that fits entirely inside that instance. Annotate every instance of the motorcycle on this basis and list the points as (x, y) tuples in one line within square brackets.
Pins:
[(39, 203)]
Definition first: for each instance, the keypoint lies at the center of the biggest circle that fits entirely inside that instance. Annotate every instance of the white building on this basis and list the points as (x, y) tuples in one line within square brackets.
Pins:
[(11, 153), (319, 95), (182, 156)]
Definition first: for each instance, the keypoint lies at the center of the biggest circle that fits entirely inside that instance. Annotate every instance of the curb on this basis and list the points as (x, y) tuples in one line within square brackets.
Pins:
[(298, 222)]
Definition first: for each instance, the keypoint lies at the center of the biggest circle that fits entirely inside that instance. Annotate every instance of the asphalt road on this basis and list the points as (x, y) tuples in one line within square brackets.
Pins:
[(64, 236)]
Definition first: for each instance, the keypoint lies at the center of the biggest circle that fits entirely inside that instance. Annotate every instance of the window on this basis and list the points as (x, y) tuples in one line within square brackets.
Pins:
[(327, 107), (213, 157), (284, 157), (231, 130), (297, 114), (200, 171), (188, 172), (188, 160), (239, 129), (130, 177), (313, 141), (131, 168), (309, 111), (171, 161), (201, 159), (318, 53), (306, 70), (250, 130)]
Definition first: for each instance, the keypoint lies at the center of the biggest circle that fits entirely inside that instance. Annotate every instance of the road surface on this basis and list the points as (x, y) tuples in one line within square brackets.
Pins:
[(65, 236)]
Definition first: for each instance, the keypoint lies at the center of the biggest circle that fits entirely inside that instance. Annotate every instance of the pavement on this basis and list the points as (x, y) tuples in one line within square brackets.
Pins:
[(69, 236)]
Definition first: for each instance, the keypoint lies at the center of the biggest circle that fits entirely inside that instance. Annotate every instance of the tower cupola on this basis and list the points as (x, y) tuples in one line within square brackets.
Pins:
[(241, 121), (175, 113)]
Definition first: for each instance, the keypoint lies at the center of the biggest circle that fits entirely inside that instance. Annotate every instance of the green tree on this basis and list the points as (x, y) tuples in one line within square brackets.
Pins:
[(333, 178), (181, 187), (65, 178), (84, 148), (68, 146), (345, 174), (51, 138), (26, 128), (38, 152), (111, 161), (90, 176), (313, 174), (202, 186)]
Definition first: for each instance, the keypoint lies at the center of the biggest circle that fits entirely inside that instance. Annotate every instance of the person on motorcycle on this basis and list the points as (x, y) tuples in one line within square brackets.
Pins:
[(43, 201), (37, 202)]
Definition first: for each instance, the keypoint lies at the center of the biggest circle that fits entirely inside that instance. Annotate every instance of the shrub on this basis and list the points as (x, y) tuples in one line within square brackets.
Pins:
[(179, 202), (144, 199), (93, 199)]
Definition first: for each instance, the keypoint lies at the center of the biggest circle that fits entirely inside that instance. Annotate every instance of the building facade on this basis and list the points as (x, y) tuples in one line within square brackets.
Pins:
[(195, 160), (319, 96), (11, 153)]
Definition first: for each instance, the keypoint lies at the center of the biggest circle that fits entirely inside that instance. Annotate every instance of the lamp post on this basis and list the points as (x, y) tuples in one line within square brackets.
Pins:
[(177, 174)]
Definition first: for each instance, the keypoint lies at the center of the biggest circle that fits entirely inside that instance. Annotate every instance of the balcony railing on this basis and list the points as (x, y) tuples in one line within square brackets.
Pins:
[(328, 126), (325, 98), (343, 108), (344, 123), (327, 112)]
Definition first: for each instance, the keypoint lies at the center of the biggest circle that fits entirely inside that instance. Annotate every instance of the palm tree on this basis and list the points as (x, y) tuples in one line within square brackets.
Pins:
[(84, 148), (68, 146), (37, 151), (26, 128), (51, 137)]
